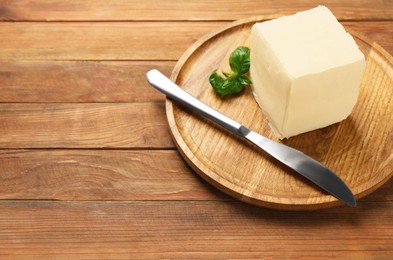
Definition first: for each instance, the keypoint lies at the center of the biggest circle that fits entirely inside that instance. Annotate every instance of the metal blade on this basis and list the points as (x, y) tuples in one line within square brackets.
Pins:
[(298, 161), (305, 166)]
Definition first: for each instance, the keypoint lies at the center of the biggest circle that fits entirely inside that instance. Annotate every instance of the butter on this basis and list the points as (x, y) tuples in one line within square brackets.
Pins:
[(306, 71)]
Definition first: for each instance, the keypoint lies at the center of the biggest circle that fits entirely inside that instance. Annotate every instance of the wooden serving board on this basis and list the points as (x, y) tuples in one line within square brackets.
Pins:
[(359, 149)]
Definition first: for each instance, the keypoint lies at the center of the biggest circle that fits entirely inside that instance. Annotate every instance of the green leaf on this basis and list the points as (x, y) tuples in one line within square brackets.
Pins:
[(230, 87), (233, 83), (239, 60), (244, 79), (216, 80), (225, 86)]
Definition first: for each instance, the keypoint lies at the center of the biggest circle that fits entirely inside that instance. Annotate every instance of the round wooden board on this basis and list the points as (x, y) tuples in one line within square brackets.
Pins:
[(359, 149)]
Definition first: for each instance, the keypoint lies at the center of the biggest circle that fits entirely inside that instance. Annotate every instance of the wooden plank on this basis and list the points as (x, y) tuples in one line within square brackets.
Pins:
[(112, 10), (84, 125), (105, 81), (100, 41), (187, 229), (70, 81), (110, 175), (100, 175), (126, 41)]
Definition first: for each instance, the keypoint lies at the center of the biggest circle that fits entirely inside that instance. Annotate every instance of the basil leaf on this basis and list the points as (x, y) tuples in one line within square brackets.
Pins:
[(235, 81), (232, 86), (239, 60), (244, 79), (229, 87), (216, 80)]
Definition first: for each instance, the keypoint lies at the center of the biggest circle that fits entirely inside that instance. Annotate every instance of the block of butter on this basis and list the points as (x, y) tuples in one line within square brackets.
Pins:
[(306, 71)]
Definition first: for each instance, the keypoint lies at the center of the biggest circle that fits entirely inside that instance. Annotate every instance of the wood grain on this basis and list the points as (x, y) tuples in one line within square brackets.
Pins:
[(125, 41), (138, 199), (374, 32), (358, 149), (74, 81), (184, 229), (100, 41), (111, 175), (112, 10), (100, 175), (84, 125)]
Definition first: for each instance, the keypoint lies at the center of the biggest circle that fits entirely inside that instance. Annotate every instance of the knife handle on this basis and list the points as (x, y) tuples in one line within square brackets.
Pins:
[(160, 82), (306, 166)]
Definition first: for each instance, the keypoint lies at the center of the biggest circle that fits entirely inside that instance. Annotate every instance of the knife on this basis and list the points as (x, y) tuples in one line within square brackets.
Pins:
[(306, 166)]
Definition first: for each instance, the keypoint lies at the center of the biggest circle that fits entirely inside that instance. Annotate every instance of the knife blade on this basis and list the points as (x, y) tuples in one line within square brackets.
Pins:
[(306, 166)]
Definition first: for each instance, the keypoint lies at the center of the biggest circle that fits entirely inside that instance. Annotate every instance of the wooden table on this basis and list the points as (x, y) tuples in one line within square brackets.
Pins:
[(88, 168)]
